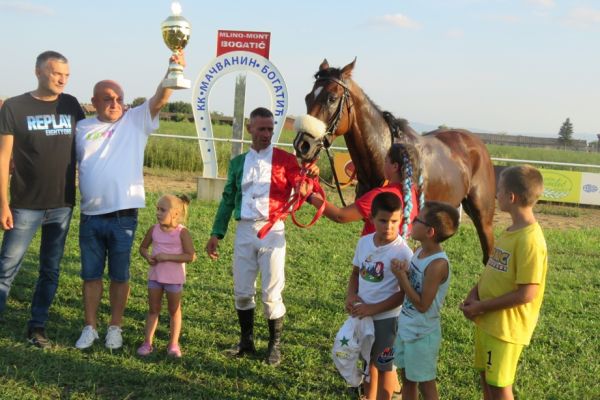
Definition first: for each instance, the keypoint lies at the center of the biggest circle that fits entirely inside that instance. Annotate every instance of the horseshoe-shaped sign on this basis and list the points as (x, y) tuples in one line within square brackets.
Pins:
[(225, 64)]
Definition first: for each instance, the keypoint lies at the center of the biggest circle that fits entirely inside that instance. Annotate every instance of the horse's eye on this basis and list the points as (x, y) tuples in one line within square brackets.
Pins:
[(331, 98)]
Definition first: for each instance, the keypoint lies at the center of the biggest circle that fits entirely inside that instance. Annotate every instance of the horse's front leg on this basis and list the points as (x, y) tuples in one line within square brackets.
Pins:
[(480, 205)]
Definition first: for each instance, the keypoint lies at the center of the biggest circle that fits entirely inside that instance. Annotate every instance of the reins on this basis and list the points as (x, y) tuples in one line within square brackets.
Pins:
[(295, 202)]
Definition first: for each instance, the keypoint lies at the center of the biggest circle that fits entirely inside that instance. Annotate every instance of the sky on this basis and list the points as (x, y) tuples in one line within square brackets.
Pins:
[(508, 66)]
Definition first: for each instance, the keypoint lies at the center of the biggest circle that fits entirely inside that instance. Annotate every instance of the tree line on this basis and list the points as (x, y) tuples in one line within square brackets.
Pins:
[(565, 134)]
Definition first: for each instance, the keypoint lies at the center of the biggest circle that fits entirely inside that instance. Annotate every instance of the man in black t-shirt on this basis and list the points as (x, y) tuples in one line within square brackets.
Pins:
[(38, 129)]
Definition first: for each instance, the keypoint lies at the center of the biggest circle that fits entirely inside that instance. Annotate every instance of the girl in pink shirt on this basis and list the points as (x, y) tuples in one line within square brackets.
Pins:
[(172, 247)]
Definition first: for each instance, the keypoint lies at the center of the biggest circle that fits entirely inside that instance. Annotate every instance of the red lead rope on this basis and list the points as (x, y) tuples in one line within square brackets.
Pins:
[(295, 202)]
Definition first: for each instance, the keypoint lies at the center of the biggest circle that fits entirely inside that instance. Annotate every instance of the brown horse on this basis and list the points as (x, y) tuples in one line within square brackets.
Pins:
[(456, 164)]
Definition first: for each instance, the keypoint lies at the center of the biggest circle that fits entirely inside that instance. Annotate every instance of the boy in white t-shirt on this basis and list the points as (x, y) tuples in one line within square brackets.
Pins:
[(374, 291)]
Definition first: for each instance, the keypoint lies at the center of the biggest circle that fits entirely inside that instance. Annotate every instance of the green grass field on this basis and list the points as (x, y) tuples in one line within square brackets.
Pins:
[(561, 363)]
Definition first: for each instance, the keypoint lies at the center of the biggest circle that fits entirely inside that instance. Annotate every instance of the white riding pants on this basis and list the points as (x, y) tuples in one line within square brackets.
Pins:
[(251, 255)]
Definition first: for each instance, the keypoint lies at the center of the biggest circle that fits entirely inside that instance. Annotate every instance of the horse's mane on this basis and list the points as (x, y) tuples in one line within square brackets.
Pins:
[(398, 126)]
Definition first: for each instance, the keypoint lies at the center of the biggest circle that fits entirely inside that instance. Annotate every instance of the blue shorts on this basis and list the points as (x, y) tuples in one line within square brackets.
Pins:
[(103, 237), (418, 358), (167, 287)]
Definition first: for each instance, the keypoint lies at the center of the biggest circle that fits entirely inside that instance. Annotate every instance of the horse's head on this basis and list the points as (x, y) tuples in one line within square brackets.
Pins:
[(328, 108)]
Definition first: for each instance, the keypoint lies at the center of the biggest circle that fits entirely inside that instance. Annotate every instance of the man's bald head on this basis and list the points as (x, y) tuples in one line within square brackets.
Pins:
[(108, 100), (107, 83)]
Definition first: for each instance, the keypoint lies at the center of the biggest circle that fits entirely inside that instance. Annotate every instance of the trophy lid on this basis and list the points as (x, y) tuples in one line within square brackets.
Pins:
[(176, 21)]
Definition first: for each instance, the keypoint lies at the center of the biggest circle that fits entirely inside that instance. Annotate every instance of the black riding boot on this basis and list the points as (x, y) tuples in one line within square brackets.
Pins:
[(246, 344), (274, 352)]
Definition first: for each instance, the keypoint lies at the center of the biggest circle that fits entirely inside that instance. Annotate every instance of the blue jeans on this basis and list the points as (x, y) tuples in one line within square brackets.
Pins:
[(102, 237), (55, 226)]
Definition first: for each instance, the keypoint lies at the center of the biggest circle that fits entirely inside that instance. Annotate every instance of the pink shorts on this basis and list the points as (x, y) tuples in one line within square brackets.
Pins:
[(167, 287)]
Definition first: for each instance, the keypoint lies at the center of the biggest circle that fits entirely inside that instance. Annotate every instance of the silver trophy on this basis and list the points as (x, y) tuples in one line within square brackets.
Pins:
[(176, 34)]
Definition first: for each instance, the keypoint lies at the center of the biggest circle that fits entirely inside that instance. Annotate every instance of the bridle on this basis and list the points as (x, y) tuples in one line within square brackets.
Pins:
[(311, 146), (334, 121)]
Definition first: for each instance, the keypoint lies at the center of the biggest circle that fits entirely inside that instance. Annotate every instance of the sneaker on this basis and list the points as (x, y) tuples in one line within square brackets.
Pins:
[(86, 340), (36, 336), (174, 351), (114, 340), (145, 349)]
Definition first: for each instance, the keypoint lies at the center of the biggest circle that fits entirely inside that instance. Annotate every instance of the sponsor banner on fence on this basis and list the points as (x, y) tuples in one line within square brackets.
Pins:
[(590, 188), (571, 187), (568, 186), (561, 186)]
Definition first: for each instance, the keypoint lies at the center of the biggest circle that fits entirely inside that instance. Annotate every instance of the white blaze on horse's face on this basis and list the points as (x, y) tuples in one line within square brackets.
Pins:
[(317, 92)]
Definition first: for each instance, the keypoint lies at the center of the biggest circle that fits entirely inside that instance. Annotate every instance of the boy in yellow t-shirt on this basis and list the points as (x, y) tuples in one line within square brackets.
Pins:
[(505, 303)]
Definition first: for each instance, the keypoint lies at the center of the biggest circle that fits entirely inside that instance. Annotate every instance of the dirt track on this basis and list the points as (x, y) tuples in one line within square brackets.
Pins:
[(162, 184), (587, 218)]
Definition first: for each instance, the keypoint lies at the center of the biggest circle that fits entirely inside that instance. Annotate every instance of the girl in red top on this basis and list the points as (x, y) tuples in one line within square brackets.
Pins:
[(403, 174)]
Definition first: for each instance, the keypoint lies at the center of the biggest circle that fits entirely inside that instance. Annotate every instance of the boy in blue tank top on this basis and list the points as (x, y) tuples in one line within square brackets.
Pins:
[(425, 282)]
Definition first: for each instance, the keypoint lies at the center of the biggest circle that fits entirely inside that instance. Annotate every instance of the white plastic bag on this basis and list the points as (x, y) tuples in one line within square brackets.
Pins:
[(353, 344)]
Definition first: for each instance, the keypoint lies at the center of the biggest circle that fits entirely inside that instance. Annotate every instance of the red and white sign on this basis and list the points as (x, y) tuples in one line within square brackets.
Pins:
[(255, 42)]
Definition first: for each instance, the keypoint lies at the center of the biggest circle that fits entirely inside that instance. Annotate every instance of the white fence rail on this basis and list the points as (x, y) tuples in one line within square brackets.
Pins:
[(510, 160)]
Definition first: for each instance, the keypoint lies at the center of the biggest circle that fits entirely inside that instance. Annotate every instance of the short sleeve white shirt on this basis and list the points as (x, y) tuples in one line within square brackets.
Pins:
[(376, 282), (110, 157)]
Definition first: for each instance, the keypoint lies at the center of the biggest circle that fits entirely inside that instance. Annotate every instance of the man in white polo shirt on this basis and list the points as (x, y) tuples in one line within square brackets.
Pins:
[(110, 156)]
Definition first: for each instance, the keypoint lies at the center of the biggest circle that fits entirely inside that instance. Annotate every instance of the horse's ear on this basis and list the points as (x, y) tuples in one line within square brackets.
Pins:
[(347, 70), (324, 65)]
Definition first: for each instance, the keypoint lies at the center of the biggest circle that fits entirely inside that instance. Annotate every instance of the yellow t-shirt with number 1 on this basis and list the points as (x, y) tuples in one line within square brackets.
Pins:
[(520, 257)]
